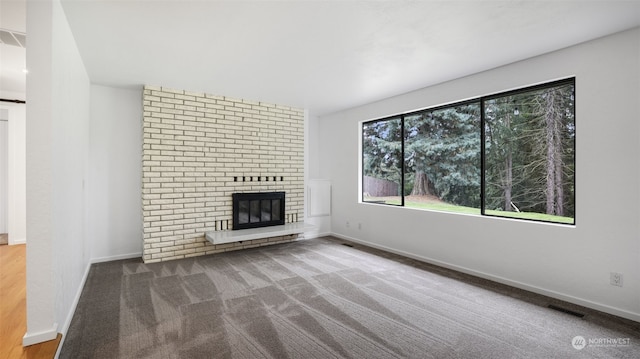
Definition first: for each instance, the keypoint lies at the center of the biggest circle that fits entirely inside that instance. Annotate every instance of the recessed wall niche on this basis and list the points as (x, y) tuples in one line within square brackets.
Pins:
[(197, 149)]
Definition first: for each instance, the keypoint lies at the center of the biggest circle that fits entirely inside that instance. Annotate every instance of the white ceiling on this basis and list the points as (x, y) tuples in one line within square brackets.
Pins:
[(324, 55)]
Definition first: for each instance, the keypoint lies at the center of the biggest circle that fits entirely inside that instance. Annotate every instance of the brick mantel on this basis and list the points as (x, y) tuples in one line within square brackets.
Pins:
[(198, 149)]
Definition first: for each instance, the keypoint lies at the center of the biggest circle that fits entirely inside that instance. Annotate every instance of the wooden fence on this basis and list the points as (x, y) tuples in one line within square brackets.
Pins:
[(376, 187)]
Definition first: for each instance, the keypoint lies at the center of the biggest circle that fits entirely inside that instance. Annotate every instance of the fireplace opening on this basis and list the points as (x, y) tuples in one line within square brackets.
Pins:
[(258, 209)]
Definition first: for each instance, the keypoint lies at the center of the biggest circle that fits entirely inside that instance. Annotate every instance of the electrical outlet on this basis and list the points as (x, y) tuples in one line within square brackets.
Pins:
[(615, 279), (359, 226), (348, 224)]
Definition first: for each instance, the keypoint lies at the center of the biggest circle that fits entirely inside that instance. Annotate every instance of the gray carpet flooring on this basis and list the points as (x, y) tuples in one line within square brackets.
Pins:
[(321, 298)]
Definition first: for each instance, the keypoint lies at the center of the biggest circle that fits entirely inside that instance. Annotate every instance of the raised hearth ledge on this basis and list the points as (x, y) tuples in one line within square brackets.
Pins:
[(220, 237)]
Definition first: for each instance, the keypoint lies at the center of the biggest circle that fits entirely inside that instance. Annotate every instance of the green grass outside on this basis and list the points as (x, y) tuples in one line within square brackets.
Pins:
[(447, 207), (533, 216)]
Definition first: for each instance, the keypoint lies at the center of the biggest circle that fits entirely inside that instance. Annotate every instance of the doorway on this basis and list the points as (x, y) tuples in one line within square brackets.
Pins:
[(13, 193), (4, 177)]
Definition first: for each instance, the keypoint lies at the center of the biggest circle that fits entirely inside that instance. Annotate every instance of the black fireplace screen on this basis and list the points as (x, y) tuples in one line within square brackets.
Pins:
[(258, 209)]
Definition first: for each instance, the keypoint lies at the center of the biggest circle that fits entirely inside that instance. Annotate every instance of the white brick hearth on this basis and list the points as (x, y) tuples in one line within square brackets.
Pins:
[(198, 149)]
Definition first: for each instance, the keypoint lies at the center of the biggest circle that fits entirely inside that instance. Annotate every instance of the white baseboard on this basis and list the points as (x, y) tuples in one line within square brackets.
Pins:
[(17, 241), (39, 337), (72, 311), (76, 299), (65, 327), (549, 293), (116, 258), (311, 235)]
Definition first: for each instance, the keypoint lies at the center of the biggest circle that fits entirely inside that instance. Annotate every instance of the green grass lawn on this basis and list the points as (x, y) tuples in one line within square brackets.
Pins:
[(447, 207), (533, 216), (443, 206)]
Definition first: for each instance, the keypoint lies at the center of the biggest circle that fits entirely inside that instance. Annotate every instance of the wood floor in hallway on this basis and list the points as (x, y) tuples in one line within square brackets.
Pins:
[(13, 308)]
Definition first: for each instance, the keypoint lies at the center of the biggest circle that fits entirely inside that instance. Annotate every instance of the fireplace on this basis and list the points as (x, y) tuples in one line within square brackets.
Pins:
[(258, 209)]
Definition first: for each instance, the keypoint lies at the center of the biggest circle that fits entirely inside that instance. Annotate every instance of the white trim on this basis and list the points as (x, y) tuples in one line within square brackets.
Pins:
[(312, 235), (76, 299), (74, 305), (72, 311), (39, 337), (116, 258), (17, 241), (549, 293)]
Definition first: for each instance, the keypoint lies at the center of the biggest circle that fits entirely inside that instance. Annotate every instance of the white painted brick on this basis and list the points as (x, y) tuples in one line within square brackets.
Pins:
[(203, 142)]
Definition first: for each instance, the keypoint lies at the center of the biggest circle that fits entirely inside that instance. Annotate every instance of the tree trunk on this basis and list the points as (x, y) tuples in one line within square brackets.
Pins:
[(559, 164), (508, 185), (550, 167), (508, 167), (421, 184), (554, 192)]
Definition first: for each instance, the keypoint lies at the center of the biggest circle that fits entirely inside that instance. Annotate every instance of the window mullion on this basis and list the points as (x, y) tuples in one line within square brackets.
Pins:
[(482, 156), (402, 157)]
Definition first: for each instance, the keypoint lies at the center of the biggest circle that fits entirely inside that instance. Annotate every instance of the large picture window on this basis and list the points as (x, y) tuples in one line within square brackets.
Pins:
[(510, 155)]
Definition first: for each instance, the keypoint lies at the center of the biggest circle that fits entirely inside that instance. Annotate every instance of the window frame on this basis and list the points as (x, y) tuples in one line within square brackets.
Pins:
[(362, 170), (481, 100)]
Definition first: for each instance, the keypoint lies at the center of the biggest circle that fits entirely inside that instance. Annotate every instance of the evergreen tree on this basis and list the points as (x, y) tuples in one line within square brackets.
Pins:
[(529, 152), (442, 150), (528, 161), (382, 150)]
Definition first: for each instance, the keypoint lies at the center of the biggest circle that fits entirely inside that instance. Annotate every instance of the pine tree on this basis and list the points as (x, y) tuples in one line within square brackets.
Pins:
[(529, 152), (442, 149), (382, 150)]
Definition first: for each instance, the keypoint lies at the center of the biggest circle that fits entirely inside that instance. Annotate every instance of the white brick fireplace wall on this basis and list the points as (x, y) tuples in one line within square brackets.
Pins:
[(198, 149)]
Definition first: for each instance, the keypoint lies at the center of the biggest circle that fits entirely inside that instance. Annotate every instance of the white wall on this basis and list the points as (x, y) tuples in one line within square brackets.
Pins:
[(57, 147), (70, 147), (115, 173), (41, 322), (571, 263)]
